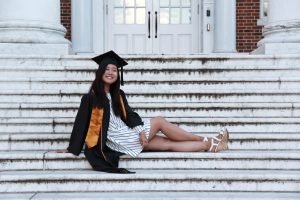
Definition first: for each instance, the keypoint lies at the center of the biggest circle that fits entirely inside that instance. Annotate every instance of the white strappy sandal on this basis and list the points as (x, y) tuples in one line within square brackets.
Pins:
[(221, 144)]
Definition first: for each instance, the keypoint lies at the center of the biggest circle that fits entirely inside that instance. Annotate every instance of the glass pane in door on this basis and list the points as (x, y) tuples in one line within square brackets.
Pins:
[(119, 15), (186, 3), (129, 3), (129, 17), (140, 15), (175, 12), (129, 11), (164, 16), (140, 3), (119, 3), (175, 3), (164, 3), (175, 15)]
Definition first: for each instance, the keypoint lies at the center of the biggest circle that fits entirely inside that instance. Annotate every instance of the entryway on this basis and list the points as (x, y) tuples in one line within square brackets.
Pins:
[(153, 26)]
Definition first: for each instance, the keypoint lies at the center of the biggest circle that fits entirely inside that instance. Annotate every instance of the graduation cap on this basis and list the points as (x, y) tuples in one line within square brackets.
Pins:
[(111, 57)]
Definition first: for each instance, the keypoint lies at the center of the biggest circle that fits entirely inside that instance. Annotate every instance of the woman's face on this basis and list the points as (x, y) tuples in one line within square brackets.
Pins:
[(110, 75)]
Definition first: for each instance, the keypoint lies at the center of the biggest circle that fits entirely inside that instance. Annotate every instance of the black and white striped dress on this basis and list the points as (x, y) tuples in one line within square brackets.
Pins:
[(123, 139)]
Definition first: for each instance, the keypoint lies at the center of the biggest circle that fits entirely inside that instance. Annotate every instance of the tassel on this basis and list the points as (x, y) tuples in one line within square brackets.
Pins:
[(122, 81)]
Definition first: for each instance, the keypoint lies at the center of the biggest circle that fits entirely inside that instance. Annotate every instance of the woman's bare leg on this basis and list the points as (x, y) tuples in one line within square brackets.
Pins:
[(177, 138), (172, 131), (159, 143)]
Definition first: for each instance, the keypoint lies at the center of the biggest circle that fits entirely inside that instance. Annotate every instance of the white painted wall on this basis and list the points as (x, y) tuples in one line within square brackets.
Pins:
[(225, 26), (88, 30), (280, 12), (82, 17)]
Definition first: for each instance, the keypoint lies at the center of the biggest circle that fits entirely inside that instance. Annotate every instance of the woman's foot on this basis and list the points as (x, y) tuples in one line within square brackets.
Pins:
[(224, 143), (220, 142)]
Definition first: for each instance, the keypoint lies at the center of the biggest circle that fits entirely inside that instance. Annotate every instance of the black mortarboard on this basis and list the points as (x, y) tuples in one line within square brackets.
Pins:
[(111, 57)]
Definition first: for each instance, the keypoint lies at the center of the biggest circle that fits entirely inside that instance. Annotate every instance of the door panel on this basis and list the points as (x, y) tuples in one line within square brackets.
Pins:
[(138, 43), (126, 22), (176, 20), (185, 44), (120, 42)]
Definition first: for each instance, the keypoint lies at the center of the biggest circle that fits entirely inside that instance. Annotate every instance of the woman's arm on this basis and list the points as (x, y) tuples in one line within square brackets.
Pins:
[(81, 125), (132, 119)]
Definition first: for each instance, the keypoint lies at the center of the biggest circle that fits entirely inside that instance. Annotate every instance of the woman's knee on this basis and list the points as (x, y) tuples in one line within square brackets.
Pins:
[(159, 121), (157, 124)]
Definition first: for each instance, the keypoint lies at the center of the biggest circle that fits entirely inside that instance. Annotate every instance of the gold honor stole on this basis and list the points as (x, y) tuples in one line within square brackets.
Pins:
[(95, 127)]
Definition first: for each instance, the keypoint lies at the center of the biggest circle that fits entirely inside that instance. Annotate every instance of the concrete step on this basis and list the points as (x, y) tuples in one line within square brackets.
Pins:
[(154, 195), (19, 110), (63, 125), (157, 73), (133, 80), (33, 141), (224, 60), (238, 141), (165, 66), (221, 79), (155, 180), (229, 159), (140, 95), (77, 62), (147, 74), (157, 83)]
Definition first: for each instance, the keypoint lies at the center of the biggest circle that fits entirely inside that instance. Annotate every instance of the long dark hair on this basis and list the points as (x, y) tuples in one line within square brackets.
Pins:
[(97, 89)]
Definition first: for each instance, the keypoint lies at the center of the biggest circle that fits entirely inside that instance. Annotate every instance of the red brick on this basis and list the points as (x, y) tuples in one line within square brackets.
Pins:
[(66, 16), (248, 33)]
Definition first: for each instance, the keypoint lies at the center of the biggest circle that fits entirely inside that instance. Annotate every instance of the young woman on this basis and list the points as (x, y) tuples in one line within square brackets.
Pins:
[(109, 127)]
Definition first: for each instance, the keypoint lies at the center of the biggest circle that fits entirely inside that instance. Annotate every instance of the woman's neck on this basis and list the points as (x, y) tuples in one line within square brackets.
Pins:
[(106, 88)]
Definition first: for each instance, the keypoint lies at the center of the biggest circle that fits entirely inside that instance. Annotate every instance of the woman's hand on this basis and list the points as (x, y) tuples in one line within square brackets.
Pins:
[(62, 151), (143, 139)]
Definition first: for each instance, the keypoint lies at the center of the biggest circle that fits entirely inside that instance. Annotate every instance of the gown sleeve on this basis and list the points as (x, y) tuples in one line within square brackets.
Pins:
[(81, 125), (133, 119)]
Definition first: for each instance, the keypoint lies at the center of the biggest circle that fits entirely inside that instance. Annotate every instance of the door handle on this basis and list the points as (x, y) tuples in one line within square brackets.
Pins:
[(208, 27), (149, 13), (155, 24)]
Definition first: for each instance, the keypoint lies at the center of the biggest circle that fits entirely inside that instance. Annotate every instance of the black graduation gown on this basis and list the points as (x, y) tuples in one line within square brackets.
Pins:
[(79, 132)]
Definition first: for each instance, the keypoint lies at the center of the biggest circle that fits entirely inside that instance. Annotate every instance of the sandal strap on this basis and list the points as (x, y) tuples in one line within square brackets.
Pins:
[(219, 143), (223, 131), (215, 138), (213, 144)]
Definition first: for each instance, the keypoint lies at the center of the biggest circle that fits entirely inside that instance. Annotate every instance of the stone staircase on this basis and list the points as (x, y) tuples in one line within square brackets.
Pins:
[(256, 97)]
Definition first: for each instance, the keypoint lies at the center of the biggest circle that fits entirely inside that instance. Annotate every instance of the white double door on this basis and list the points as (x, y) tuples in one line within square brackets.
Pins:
[(153, 26)]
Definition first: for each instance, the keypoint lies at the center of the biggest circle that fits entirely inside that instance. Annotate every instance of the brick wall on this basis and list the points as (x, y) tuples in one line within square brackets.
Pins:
[(66, 16), (248, 33)]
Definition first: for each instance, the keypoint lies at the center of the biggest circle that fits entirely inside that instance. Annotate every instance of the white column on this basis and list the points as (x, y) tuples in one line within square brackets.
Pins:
[(82, 26), (282, 32), (225, 26), (32, 27), (98, 28)]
